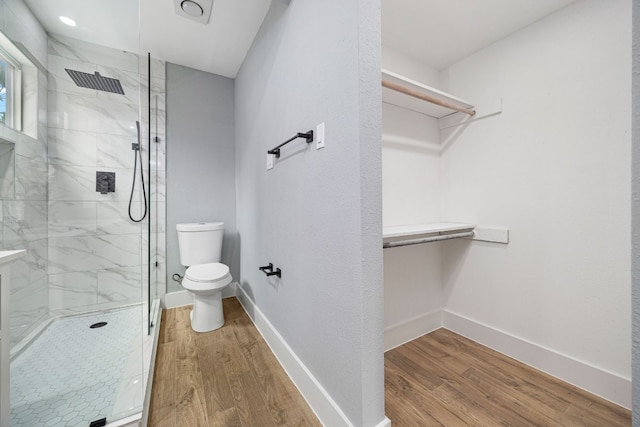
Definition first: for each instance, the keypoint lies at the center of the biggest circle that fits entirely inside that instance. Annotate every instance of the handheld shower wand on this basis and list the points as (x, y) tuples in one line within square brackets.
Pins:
[(137, 154)]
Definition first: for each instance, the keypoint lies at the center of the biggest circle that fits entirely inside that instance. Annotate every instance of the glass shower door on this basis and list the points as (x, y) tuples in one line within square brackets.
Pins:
[(77, 314)]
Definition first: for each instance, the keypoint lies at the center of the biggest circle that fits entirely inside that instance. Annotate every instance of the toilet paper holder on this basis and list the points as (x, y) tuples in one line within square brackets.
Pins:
[(268, 270)]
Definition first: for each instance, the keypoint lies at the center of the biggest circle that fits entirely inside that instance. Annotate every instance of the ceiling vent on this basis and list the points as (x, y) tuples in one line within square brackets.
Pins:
[(196, 10)]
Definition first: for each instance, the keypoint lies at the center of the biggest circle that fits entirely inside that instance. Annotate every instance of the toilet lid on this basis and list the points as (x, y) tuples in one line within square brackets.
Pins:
[(207, 272)]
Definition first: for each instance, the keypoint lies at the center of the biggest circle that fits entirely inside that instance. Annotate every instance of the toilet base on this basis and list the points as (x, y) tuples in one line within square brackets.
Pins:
[(207, 314)]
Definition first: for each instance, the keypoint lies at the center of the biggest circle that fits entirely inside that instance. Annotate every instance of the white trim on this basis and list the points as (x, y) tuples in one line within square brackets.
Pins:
[(178, 299), (384, 423), (157, 318), (409, 330), (131, 421), (325, 408), (605, 384)]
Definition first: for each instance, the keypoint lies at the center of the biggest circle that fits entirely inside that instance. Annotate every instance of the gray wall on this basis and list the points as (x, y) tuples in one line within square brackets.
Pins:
[(635, 216), (200, 160), (318, 214)]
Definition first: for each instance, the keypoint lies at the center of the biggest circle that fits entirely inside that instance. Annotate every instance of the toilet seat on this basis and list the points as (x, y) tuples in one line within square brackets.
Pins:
[(213, 271), (206, 277)]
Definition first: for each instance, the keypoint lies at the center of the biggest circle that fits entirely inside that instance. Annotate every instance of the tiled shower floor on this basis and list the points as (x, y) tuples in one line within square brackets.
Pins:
[(71, 374)]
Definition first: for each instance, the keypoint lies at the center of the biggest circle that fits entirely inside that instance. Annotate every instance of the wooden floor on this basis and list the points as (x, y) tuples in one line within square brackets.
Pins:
[(445, 379), (228, 377)]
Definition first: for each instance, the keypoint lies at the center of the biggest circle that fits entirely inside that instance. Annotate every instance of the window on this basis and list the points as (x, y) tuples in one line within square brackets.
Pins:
[(10, 91)]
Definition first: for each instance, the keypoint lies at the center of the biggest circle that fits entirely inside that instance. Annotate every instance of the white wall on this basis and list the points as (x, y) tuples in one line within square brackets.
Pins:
[(411, 192), (401, 63), (410, 152), (317, 215), (636, 214), (554, 167)]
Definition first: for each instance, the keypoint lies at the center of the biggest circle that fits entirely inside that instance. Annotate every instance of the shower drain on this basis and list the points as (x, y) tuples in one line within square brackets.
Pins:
[(98, 325)]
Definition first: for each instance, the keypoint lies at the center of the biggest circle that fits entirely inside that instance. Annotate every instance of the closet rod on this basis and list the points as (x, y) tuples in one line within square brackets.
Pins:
[(428, 98), (386, 245)]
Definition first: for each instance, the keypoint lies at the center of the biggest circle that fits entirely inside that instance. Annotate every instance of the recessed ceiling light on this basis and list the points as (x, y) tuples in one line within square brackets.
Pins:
[(68, 21)]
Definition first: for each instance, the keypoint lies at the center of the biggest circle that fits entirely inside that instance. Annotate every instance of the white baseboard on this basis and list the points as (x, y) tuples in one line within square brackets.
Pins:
[(590, 378), (177, 299), (385, 423), (409, 330), (316, 396), (182, 298)]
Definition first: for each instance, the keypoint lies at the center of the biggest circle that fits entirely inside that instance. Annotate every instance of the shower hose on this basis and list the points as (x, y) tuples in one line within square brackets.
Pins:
[(137, 155)]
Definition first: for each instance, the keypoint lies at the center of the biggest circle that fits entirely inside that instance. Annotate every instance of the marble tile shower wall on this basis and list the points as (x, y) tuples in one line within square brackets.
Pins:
[(24, 206), (97, 255)]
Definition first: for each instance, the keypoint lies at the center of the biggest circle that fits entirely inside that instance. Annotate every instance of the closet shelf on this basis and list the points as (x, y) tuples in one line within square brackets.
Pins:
[(404, 235), (410, 94), (418, 229)]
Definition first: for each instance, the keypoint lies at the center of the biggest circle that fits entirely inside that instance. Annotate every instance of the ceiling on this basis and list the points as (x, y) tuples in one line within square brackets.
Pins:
[(435, 32), (218, 47), (441, 32)]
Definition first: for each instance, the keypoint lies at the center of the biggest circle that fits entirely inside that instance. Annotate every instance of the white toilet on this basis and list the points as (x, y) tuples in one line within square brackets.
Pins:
[(200, 246)]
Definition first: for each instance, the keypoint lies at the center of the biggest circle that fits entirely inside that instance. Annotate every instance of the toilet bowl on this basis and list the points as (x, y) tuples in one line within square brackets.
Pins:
[(200, 247), (205, 282)]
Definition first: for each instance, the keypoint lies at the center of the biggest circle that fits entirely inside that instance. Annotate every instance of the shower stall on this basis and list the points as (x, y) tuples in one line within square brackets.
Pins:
[(77, 176)]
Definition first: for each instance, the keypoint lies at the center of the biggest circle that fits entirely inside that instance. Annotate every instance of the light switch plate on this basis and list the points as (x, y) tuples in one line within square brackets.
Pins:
[(269, 161), (320, 136)]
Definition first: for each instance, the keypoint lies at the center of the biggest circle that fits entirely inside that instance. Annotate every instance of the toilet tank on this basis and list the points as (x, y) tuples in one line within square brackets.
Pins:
[(200, 242)]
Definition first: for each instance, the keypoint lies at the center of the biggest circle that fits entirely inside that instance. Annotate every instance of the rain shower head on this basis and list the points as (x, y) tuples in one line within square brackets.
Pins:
[(95, 81)]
